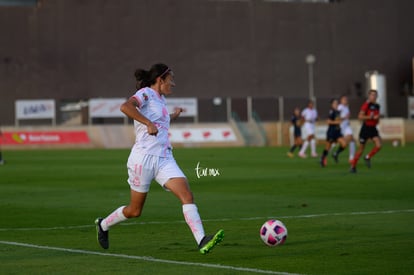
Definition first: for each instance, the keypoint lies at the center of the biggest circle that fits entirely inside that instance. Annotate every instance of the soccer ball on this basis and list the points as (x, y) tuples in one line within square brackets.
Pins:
[(273, 233)]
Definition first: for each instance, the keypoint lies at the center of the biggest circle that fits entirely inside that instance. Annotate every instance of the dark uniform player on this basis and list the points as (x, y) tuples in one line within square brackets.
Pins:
[(369, 114), (333, 134), (296, 121)]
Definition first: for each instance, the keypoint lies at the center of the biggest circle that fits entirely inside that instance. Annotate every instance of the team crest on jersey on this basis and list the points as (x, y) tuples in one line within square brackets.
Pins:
[(145, 96)]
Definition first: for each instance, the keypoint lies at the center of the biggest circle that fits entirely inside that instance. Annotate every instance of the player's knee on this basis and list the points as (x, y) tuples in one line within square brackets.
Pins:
[(132, 212), (187, 197)]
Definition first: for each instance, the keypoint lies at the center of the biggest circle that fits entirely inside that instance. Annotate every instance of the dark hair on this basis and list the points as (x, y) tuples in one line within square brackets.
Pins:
[(147, 78)]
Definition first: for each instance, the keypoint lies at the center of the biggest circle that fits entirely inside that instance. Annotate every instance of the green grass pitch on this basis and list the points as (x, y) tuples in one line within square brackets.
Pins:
[(338, 223)]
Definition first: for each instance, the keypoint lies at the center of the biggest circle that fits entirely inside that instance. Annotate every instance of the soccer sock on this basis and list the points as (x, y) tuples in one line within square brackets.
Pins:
[(304, 147), (340, 149), (313, 146), (373, 152), (193, 220), (115, 217), (292, 148), (324, 154), (351, 150), (356, 158)]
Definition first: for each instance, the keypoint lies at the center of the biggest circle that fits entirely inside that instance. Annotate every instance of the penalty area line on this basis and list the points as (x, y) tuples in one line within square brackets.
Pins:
[(146, 258)]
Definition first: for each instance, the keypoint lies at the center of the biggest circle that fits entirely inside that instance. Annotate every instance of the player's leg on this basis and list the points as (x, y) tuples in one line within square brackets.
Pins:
[(351, 144), (122, 213), (377, 147), (313, 146), (299, 141), (307, 130), (179, 187), (173, 179), (363, 137), (350, 141), (342, 145), (297, 144), (303, 149), (292, 149), (325, 152), (140, 174), (374, 150), (358, 154)]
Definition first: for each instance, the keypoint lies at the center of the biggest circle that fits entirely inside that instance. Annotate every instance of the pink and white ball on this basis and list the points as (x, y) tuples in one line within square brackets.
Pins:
[(273, 233)]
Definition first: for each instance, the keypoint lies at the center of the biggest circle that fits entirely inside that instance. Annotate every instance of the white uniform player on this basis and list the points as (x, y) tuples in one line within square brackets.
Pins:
[(344, 115), (151, 155), (310, 115), (346, 128), (151, 158)]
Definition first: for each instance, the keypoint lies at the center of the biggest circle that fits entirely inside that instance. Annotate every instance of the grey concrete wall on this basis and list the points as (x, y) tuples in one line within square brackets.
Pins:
[(77, 49)]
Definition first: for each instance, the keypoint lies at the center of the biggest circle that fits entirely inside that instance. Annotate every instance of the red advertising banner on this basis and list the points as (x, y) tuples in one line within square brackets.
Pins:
[(44, 137)]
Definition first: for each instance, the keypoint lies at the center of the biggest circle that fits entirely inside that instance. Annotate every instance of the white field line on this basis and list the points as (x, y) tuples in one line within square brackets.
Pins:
[(146, 258), (220, 220)]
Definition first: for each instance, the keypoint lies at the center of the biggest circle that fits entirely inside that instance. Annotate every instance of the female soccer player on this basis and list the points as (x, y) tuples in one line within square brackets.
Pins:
[(310, 115), (370, 115), (346, 129), (333, 134), (151, 157), (296, 121)]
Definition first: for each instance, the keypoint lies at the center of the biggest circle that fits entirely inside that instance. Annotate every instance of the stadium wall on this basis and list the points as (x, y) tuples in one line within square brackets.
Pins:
[(75, 50)]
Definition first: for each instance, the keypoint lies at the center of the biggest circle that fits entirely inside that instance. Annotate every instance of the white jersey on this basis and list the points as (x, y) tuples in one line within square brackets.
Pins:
[(344, 115), (152, 105), (310, 116)]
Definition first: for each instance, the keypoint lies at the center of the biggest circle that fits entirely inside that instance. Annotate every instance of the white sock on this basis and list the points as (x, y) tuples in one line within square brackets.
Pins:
[(304, 147), (313, 146), (351, 150), (193, 220), (115, 217)]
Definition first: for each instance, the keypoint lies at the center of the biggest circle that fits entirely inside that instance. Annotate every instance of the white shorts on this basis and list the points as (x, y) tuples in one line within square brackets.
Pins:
[(142, 169), (308, 129), (347, 131)]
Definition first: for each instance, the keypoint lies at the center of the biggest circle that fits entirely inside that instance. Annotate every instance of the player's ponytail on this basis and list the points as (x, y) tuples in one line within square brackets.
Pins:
[(147, 78), (142, 78)]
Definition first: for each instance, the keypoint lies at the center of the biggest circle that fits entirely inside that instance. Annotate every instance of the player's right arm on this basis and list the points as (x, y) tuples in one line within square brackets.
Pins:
[(332, 119), (130, 109), (364, 113)]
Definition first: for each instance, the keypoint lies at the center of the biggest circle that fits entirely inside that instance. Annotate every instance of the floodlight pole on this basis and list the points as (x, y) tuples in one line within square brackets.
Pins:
[(310, 60)]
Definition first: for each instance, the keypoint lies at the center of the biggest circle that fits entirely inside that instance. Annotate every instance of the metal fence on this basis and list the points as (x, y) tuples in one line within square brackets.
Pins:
[(265, 109)]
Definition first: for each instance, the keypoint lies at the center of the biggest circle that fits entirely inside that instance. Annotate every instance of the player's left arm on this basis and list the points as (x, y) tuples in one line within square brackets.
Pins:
[(176, 113), (300, 121)]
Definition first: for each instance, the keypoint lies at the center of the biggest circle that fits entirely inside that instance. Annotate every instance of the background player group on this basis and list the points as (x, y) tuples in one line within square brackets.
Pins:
[(339, 130)]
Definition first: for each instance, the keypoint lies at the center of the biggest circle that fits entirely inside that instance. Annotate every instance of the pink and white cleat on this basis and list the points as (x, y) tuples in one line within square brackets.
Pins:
[(302, 155)]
